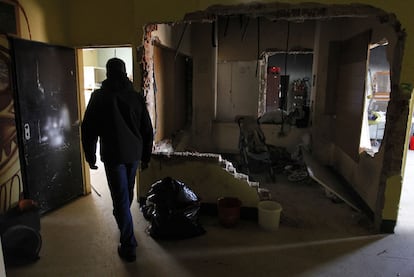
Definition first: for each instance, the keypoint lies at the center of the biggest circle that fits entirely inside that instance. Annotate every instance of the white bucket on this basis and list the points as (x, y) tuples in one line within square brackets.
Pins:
[(269, 215)]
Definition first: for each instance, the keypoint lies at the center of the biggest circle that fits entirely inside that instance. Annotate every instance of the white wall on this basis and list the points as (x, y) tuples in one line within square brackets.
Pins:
[(95, 59), (237, 90), (176, 36), (123, 53)]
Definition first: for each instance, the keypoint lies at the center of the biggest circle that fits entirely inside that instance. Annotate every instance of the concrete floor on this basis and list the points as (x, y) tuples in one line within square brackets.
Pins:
[(317, 237)]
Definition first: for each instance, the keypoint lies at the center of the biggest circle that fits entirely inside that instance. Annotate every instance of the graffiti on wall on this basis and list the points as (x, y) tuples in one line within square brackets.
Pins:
[(10, 175)]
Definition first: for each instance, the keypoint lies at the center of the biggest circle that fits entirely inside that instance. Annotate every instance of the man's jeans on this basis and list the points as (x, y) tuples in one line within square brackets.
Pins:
[(121, 181)]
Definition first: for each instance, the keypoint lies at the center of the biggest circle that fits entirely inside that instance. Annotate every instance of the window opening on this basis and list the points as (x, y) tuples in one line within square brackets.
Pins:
[(377, 96)]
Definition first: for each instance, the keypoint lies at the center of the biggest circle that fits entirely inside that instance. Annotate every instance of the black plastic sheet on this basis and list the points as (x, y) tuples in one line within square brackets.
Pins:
[(172, 209)]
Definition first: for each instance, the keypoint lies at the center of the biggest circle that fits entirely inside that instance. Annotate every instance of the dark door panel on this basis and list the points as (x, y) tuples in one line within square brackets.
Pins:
[(48, 122)]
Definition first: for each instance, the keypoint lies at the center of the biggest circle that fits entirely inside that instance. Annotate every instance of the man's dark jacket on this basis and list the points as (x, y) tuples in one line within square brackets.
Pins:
[(118, 115)]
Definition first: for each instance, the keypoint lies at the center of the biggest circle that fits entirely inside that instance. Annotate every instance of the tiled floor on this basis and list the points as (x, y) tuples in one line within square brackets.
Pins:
[(80, 240)]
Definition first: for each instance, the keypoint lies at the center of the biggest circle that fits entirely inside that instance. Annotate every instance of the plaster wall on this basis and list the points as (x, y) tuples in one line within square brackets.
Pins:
[(46, 21), (242, 41), (363, 174), (206, 175), (174, 36), (76, 22), (204, 86), (321, 130), (90, 58), (237, 85), (237, 90)]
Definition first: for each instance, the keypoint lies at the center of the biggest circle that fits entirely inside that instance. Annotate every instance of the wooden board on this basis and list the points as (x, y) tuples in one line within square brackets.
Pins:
[(328, 180)]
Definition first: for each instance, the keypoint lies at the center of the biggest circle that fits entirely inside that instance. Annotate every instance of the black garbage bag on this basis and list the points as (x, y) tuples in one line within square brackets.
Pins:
[(172, 209)]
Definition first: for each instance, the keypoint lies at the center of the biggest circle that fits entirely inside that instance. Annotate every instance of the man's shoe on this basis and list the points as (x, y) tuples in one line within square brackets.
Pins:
[(127, 255)]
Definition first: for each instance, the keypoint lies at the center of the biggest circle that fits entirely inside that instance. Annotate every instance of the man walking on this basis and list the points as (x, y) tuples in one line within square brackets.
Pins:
[(118, 116)]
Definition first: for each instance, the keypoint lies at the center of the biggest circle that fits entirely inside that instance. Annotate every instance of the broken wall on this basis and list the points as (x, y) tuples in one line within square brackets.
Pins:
[(171, 92), (167, 65), (175, 36), (364, 173), (241, 42), (208, 175)]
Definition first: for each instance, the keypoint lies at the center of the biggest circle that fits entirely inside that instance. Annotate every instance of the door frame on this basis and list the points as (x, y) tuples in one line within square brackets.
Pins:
[(82, 103), (81, 109)]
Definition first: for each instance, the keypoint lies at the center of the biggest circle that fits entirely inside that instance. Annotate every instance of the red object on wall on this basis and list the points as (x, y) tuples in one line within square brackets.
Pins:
[(273, 69), (411, 146)]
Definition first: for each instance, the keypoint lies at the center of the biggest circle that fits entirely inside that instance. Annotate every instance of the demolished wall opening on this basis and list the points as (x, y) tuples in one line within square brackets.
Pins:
[(377, 96), (225, 44)]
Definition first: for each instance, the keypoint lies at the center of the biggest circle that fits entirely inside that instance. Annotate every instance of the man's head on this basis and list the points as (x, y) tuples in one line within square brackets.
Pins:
[(115, 68)]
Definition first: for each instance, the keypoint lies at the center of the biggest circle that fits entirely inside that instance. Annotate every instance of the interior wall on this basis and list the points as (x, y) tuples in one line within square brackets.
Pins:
[(298, 66), (92, 23), (72, 24), (163, 83), (350, 92), (225, 134), (204, 86), (378, 59), (363, 174), (46, 21), (240, 43), (322, 131), (90, 57), (175, 36), (93, 66), (124, 53), (237, 90), (205, 174), (169, 71), (241, 40), (237, 94)]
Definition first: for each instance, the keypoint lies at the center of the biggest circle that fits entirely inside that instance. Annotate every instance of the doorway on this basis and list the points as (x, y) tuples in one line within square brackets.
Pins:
[(94, 72), (287, 78)]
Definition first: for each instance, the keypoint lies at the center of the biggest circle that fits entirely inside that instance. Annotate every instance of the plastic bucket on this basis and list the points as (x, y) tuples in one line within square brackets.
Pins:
[(228, 211), (269, 215)]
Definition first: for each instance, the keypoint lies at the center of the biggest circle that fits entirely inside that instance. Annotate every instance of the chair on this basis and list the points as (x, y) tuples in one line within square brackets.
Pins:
[(252, 145)]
